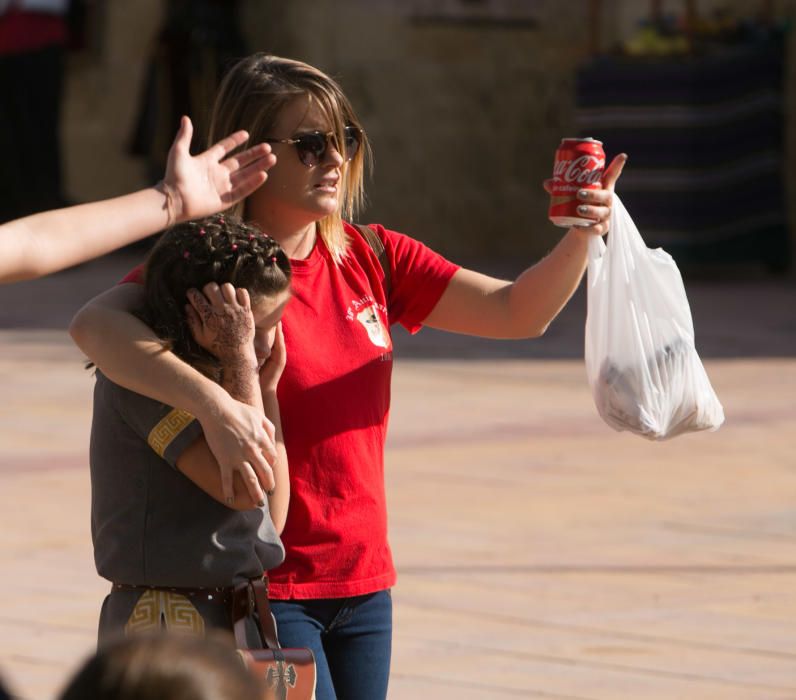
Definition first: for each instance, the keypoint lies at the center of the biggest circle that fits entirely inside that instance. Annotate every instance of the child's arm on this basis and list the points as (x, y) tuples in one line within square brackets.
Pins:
[(221, 322), (279, 496), (194, 186), (200, 466), (131, 355)]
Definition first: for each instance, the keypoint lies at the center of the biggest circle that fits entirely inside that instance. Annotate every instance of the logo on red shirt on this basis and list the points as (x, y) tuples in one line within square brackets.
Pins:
[(369, 313)]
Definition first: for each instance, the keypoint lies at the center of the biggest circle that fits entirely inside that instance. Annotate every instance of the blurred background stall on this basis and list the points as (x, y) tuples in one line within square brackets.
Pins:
[(699, 100), (466, 101)]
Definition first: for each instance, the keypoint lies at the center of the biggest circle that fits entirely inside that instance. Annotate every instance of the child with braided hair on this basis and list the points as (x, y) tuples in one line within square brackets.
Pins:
[(172, 545)]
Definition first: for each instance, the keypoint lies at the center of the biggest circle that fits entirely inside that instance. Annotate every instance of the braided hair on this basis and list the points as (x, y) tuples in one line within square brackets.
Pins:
[(219, 249)]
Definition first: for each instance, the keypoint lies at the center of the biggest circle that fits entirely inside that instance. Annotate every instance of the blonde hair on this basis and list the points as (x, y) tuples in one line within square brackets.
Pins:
[(252, 95)]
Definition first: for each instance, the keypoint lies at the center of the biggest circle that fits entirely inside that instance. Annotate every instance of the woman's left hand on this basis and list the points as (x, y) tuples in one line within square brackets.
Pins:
[(596, 204), (275, 364)]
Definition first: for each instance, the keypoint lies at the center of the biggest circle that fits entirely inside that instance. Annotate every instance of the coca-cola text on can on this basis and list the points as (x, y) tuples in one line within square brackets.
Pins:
[(579, 165)]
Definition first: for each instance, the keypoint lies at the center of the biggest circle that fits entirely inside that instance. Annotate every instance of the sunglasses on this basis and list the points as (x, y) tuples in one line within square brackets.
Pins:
[(311, 147)]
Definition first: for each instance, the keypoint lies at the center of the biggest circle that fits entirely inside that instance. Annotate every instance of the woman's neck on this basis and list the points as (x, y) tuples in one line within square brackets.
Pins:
[(293, 228), (297, 244), (297, 238)]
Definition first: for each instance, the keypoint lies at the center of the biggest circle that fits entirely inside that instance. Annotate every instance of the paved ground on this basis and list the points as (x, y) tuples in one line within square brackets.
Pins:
[(540, 554)]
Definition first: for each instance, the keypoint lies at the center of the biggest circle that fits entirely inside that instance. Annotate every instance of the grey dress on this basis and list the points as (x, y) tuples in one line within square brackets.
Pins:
[(154, 528)]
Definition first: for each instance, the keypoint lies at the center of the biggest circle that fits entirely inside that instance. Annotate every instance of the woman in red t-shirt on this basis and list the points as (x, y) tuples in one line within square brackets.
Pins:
[(332, 592)]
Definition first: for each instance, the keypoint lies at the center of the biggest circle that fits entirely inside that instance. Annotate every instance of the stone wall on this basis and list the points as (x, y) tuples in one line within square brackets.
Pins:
[(102, 89), (464, 120)]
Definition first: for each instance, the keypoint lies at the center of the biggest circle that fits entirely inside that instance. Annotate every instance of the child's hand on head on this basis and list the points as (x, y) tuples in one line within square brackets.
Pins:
[(220, 320)]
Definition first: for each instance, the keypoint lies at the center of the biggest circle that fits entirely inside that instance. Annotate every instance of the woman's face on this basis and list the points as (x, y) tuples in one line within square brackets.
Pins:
[(297, 194), (267, 312)]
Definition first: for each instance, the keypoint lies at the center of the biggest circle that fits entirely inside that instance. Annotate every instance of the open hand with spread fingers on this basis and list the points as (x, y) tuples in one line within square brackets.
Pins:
[(197, 186)]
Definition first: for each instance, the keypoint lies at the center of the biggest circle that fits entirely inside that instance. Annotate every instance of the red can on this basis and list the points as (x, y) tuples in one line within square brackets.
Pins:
[(579, 165)]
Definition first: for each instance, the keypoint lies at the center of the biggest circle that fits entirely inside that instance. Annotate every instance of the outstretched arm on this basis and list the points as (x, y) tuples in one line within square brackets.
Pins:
[(476, 304), (194, 186)]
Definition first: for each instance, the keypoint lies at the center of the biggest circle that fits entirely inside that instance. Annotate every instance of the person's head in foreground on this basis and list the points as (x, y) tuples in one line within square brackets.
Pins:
[(164, 667)]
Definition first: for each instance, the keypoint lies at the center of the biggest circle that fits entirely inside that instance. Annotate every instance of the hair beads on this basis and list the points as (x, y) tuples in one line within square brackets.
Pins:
[(191, 255)]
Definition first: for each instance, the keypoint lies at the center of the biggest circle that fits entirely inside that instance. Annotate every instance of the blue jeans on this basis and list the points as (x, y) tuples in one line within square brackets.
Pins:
[(350, 637)]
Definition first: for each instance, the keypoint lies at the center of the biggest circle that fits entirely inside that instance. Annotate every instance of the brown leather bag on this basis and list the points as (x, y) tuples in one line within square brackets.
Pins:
[(287, 674)]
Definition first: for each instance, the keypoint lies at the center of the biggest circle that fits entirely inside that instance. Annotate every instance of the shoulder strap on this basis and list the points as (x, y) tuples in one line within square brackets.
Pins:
[(247, 597), (381, 253)]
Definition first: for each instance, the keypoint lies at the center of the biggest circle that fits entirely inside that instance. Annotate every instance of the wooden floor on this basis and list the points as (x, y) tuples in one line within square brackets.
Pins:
[(540, 553)]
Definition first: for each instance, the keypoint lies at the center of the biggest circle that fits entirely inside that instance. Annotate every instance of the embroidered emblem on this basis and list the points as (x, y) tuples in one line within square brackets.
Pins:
[(278, 677), (169, 427), (157, 610), (281, 677)]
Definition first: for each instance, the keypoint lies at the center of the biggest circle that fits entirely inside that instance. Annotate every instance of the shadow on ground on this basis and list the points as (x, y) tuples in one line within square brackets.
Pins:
[(735, 315)]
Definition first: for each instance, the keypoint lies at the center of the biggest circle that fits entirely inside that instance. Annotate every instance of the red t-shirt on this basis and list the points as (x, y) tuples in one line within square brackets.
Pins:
[(334, 400)]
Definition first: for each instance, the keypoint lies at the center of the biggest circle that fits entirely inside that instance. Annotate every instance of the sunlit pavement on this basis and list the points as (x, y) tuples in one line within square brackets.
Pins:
[(540, 553)]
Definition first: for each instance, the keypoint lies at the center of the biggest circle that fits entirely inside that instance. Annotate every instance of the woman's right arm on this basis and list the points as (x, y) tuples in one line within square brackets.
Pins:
[(131, 355)]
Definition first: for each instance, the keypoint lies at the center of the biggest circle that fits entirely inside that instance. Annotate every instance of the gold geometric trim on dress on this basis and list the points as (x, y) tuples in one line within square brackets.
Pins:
[(181, 616), (156, 610), (146, 614), (167, 429)]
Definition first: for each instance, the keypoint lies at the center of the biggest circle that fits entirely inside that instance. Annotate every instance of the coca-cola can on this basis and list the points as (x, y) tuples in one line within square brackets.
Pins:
[(579, 165)]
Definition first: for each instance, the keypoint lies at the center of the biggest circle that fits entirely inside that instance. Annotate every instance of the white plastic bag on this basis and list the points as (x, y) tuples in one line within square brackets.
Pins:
[(643, 369)]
